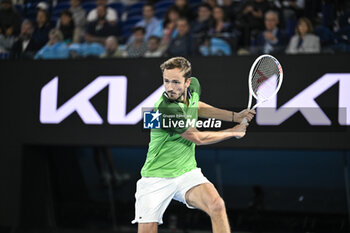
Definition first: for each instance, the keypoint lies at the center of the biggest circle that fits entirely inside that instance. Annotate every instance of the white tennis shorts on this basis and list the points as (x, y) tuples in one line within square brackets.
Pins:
[(153, 194)]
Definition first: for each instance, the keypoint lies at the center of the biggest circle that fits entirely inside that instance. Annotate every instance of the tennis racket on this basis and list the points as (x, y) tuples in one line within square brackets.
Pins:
[(265, 80)]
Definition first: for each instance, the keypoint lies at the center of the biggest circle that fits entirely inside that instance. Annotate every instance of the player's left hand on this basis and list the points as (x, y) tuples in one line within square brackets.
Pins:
[(246, 113)]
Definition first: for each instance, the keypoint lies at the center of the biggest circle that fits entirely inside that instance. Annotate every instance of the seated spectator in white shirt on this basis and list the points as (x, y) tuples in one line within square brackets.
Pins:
[(304, 41), (153, 47), (112, 15)]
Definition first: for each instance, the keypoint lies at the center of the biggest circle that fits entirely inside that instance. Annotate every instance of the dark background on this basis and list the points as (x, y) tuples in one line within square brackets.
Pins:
[(223, 82), (49, 180)]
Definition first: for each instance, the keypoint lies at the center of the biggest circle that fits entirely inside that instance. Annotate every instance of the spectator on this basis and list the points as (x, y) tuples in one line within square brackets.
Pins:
[(304, 41), (111, 14), (220, 24), (222, 28), (342, 36), (272, 40), (251, 18), (42, 27), (9, 19), (170, 19), (112, 48), (79, 18), (138, 46), (231, 9), (167, 29), (291, 9), (9, 26), (25, 47), (201, 25), (66, 26), (149, 21), (169, 32), (328, 12), (184, 9), (212, 3), (55, 48), (153, 47), (181, 45), (78, 13), (100, 29), (6, 42)]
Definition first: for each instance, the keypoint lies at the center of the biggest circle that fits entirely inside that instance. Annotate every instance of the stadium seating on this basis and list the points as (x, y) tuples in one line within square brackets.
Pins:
[(163, 4), (160, 12), (119, 7), (128, 25), (88, 6)]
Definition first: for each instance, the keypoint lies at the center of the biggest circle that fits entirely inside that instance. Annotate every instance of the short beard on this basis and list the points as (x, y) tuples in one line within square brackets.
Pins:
[(183, 94)]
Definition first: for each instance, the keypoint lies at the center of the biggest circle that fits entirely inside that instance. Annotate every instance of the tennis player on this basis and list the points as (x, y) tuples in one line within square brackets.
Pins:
[(170, 171)]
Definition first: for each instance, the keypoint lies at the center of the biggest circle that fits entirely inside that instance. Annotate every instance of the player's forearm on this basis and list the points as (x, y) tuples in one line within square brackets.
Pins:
[(211, 137), (208, 111)]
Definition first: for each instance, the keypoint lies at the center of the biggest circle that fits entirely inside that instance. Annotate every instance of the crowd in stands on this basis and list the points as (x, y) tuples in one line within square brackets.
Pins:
[(59, 29)]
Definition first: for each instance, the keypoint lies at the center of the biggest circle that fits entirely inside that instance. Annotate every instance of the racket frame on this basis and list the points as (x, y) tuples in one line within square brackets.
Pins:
[(251, 92)]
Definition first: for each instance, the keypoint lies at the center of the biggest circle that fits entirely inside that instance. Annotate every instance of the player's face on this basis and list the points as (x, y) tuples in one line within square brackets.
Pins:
[(175, 83), (302, 28)]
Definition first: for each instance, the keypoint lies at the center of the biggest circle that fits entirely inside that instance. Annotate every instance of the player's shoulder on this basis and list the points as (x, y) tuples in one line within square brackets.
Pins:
[(195, 86)]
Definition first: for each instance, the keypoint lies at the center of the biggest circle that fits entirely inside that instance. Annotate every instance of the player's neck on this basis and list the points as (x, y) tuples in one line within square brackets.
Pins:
[(185, 98)]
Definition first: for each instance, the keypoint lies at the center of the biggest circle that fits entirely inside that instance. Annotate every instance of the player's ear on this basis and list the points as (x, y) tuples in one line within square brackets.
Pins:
[(188, 82)]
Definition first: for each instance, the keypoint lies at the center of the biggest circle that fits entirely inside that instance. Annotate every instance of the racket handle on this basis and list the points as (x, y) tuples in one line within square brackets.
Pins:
[(243, 122)]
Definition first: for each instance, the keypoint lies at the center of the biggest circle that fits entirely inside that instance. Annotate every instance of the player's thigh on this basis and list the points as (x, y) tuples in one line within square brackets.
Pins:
[(151, 227), (153, 196), (202, 196)]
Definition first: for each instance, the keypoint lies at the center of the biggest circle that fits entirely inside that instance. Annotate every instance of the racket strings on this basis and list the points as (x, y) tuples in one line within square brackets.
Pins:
[(261, 82)]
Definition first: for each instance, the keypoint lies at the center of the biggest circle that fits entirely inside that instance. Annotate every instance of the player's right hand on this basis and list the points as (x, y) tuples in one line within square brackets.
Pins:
[(240, 129)]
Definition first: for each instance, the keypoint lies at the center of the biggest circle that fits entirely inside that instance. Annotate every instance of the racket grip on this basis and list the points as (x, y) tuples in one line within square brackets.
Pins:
[(243, 122)]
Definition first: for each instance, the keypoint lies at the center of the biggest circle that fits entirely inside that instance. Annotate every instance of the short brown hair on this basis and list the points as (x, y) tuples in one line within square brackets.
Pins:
[(308, 25), (178, 62)]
